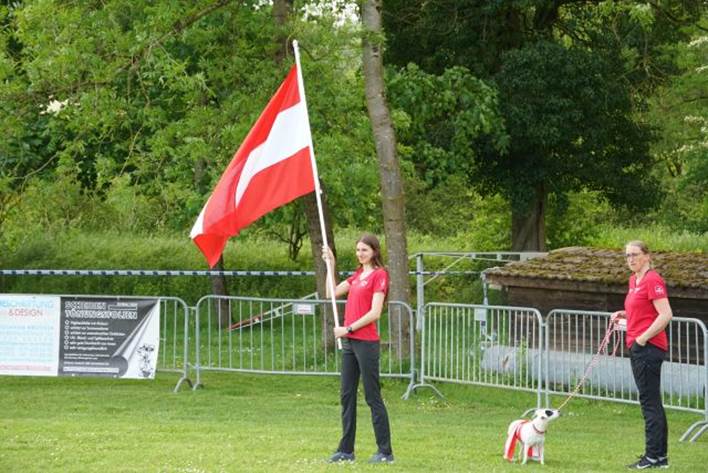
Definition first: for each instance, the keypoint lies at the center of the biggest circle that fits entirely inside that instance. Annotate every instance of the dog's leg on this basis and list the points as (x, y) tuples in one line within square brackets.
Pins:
[(540, 453), (525, 454)]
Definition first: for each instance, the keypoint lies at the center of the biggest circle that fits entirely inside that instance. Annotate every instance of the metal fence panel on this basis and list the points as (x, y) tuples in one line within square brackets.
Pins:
[(573, 338), (486, 345), (287, 336), (174, 338)]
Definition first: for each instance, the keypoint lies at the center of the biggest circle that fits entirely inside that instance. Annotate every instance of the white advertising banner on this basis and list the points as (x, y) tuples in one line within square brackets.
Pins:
[(29, 335), (79, 336)]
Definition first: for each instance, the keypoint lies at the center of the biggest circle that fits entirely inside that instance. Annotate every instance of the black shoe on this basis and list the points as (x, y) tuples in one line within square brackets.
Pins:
[(663, 462), (381, 458), (647, 462), (338, 457)]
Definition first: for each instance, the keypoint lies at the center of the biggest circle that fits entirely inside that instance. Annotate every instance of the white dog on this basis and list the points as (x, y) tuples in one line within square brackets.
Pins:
[(531, 434)]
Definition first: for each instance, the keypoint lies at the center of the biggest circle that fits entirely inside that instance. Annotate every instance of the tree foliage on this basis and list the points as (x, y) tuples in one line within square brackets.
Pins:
[(679, 111), (441, 116), (135, 107), (573, 79), (571, 128), (122, 114)]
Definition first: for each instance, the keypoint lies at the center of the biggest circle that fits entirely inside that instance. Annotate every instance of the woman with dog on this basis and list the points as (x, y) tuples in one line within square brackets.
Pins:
[(366, 290), (647, 313)]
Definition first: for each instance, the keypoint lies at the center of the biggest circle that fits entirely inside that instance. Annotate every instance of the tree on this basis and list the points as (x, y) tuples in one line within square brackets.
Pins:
[(570, 126), (438, 118), (628, 38), (139, 106), (389, 168), (679, 110)]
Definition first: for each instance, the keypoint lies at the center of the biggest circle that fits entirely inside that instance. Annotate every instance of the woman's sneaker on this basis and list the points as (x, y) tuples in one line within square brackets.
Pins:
[(381, 458), (648, 462), (341, 457)]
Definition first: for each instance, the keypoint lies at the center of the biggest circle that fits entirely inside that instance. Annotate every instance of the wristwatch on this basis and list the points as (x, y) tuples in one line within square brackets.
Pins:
[(350, 329)]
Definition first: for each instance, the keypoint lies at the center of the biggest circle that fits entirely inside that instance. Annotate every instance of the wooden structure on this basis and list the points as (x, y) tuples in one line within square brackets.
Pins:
[(596, 279)]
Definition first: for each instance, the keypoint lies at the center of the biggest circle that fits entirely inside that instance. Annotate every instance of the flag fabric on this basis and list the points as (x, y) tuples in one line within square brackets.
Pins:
[(271, 167)]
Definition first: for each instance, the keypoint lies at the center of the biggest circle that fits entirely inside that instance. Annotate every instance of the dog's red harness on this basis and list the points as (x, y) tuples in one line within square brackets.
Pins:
[(509, 454)]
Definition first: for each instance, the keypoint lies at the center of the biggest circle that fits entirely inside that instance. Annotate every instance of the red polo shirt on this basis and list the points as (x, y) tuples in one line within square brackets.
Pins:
[(361, 295), (640, 309)]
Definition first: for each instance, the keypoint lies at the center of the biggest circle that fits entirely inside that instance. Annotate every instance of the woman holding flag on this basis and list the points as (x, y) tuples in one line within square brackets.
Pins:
[(366, 290)]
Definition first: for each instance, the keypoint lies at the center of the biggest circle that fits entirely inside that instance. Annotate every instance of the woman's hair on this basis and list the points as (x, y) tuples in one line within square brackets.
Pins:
[(639, 244), (372, 242)]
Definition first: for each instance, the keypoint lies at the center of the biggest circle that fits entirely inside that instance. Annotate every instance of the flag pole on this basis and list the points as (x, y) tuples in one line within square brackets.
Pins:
[(316, 178)]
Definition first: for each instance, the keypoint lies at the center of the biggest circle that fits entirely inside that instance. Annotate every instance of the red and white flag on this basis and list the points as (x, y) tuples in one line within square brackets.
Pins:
[(271, 167)]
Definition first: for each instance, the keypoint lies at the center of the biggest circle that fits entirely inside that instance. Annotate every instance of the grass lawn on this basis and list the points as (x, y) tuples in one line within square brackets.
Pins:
[(252, 423)]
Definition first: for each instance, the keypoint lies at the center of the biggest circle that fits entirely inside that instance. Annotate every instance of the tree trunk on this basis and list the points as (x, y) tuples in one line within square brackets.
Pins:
[(316, 241), (218, 288), (528, 228), (218, 283), (281, 12), (389, 168)]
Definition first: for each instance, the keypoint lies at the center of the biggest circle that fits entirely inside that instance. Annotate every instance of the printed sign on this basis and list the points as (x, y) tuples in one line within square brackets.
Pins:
[(304, 309), (29, 335), (79, 336), (108, 337)]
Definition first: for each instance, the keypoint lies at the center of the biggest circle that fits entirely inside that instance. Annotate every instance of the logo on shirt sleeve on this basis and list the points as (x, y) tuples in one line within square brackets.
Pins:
[(659, 290)]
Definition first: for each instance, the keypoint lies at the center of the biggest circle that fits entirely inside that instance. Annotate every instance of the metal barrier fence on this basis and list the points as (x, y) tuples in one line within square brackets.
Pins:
[(573, 337), (455, 258), (499, 346), (288, 336), (174, 338), (485, 345), (514, 348)]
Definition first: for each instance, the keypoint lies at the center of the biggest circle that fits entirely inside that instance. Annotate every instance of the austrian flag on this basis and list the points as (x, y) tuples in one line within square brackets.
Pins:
[(271, 167)]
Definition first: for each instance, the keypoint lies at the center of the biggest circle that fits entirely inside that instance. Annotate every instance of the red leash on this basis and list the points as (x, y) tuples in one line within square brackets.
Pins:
[(611, 328)]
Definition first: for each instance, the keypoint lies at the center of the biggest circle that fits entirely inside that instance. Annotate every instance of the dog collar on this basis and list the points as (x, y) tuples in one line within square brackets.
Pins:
[(540, 432)]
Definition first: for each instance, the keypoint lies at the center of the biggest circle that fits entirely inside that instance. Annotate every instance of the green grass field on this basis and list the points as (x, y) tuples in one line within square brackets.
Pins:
[(252, 423)]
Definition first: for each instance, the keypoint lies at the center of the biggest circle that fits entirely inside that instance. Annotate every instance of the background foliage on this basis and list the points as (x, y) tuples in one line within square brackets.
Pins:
[(575, 82), (130, 111), (118, 117)]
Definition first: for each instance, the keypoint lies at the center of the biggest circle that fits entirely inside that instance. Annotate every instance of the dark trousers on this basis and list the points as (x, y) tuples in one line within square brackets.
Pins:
[(646, 368), (361, 358)]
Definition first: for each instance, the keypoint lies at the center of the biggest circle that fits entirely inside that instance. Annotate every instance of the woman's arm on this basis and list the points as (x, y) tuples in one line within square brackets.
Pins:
[(373, 315), (662, 320), (340, 290)]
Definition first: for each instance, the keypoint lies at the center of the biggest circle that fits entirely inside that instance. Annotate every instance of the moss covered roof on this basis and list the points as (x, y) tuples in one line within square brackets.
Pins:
[(580, 264)]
